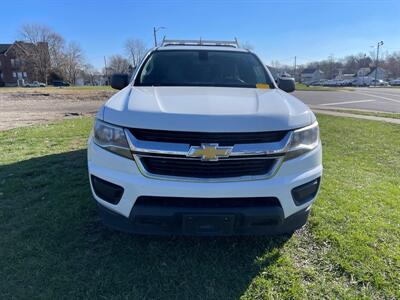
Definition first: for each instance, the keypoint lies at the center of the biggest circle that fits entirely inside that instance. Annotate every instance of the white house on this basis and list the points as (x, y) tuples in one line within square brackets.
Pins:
[(362, 72), (310, 75), (381, 74), (277, 72), (345, 76)]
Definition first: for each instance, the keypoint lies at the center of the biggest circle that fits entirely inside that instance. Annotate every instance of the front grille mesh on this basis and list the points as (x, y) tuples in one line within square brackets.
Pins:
[(202, 169), (196, 138)]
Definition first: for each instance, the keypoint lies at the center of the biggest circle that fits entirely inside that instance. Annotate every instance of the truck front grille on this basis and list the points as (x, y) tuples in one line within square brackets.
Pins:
[(196, 138), (226, 168), (164, 154)]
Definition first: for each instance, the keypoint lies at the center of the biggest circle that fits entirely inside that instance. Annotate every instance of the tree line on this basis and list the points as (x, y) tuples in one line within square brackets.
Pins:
[(48, 54), (350, 64), (53, 58), (65, 60), (135, 49)]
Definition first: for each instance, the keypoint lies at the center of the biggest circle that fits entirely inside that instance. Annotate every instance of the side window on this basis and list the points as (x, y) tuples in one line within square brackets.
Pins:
[(260, 75), (147, 70)]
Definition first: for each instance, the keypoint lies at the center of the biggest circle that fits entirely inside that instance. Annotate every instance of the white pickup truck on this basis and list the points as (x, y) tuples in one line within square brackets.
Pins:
[(202, 141)]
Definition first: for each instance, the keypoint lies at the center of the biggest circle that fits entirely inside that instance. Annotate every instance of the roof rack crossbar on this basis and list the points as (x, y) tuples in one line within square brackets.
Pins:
[(200, 42)]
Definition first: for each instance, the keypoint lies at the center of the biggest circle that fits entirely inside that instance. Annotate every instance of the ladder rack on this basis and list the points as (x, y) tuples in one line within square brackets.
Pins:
[(200, 42)]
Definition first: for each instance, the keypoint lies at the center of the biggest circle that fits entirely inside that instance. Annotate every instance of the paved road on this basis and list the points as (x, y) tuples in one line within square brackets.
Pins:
[(376, 99)]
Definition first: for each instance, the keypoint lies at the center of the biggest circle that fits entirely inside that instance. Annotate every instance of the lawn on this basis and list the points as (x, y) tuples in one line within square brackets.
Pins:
[(367, 113), (303, 87), (53, 244)]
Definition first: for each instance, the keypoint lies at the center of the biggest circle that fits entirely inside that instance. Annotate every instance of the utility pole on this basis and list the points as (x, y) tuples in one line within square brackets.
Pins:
[(363, 75), (105, 69), (377, 60), (155, 34), (295, 58)]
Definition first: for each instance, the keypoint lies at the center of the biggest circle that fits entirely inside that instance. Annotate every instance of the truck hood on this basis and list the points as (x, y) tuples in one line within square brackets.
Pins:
[(206, 109)]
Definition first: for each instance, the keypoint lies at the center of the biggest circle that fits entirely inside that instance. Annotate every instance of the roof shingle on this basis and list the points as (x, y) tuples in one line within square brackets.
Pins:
[(4, 47)]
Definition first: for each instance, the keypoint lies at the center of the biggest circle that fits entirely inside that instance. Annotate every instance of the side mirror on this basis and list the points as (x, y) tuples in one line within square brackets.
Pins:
[(119, 81), (287, 84)]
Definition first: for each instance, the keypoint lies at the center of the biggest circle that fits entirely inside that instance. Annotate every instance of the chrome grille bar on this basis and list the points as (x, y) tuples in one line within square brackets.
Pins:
[(149, 147), (273, 151)]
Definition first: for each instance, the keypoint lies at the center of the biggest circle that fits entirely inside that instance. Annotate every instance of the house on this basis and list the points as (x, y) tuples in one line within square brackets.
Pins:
[(309, 75), (17, 62), (345, 76), (12, 70), (100, 79), (362, 72), (278, 72), (380, 73), (9, 67)]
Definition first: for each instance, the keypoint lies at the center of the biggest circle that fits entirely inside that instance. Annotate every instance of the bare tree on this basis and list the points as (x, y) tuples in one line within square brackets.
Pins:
[(136, 49), (90, 73), (275, 64), (56, 51), (118, 64), (40, 48), (392, 64), (72, 62)]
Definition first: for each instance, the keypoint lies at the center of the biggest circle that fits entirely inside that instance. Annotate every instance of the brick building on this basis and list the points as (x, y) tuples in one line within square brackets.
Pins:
[(22, 62)]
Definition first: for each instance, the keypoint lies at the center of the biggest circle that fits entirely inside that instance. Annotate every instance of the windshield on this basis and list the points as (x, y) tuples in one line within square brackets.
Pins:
[(203, 68)]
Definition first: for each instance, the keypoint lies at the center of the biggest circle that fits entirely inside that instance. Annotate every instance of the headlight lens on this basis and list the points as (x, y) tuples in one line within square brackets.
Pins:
[(111, 138), (304, 140)]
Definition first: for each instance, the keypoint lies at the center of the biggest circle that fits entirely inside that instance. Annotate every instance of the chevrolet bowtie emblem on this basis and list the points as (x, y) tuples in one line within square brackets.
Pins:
[(209, 152)]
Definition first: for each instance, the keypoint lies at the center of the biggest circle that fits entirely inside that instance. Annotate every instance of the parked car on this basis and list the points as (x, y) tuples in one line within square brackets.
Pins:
[(338, 82), (378, 82), (202, 141), (60, 83), (35, 84), (347, 82), (362, 81), (331, 82), (317, 83), (395, 82)]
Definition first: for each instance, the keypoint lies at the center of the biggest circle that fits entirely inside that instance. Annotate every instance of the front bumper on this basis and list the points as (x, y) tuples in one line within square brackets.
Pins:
[(124, 215), (205, 222)]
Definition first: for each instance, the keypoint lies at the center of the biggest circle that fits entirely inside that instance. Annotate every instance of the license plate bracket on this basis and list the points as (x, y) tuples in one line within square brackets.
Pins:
[(199, 224)]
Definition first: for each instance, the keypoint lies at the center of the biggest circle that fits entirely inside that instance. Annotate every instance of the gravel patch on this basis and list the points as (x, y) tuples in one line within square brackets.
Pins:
[(19, 109)]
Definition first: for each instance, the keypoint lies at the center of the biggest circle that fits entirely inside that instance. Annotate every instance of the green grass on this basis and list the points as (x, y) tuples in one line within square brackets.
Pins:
[(303, 87), (53, 244), (368, 113)]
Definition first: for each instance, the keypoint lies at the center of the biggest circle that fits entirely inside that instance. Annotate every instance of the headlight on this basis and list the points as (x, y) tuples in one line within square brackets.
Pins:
[(304, 140), (111, 138)]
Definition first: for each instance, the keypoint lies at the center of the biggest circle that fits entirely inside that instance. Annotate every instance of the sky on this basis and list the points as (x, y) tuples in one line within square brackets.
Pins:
[(278, 30)]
